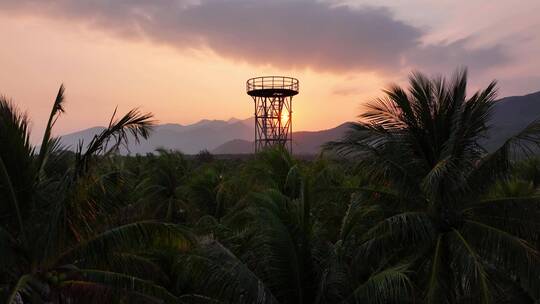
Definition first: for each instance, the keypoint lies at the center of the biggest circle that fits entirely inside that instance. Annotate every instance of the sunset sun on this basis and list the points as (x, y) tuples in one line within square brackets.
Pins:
[(284, 117)]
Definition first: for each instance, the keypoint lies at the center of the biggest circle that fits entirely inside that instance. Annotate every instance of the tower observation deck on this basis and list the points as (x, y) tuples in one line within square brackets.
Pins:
[(272, 96)]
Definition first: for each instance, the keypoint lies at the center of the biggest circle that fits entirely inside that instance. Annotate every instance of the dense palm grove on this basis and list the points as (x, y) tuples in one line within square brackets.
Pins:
[(407, 208)]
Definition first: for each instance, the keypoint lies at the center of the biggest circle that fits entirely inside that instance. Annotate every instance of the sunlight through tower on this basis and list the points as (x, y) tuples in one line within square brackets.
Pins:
[(272, 96)]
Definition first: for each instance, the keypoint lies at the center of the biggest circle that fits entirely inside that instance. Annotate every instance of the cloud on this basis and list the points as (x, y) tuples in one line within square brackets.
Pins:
[(445, 56), (284, 34)]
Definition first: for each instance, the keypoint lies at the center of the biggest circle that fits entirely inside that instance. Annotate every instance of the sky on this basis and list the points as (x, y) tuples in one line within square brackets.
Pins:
[(186, 60)]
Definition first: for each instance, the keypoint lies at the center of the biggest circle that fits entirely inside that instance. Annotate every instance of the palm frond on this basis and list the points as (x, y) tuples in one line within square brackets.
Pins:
[(474, 270), (498, 164), (198, 299), (406, 228), (134, 123), (12, 197), (391, 285), (120, 284), (15, 294), (133, 264), (279, 244), (335, 282), (45, 149), (215, 271), (436, 285), (502, 249), (17, 163), (385, 113), (514, 214), (131, 238)]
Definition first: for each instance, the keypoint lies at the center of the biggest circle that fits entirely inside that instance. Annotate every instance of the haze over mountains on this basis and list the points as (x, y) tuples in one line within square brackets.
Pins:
[(235, 136), (190, 139)]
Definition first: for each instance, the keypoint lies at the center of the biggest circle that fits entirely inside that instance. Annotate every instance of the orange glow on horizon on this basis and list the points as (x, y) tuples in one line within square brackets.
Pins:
[(101, 72)]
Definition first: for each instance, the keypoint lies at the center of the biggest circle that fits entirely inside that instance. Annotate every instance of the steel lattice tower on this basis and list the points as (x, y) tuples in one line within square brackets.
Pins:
[(272, 96)]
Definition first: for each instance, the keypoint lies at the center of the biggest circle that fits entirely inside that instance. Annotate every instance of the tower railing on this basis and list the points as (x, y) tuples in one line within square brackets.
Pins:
[(272, 82)]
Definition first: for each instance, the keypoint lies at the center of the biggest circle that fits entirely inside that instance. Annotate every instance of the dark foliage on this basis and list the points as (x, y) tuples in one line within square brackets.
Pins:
[(416, 211)]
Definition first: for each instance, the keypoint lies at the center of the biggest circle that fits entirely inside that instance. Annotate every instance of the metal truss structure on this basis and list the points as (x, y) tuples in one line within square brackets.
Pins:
[(272, 96)]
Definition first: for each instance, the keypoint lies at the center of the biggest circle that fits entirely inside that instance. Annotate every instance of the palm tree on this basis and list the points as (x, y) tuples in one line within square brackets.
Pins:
[(434, 201), (54, 242), (270, 248), (204, 191), (168, 173)]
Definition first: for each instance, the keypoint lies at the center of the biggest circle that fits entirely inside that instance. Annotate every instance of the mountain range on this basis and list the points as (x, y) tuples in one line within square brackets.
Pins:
[(234, 136)]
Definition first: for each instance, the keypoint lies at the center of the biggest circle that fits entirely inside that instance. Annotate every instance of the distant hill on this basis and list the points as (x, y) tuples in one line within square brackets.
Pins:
[(235, 146), (304, 142), (71, 140), (235, 136), (511, 115), (190, 139)]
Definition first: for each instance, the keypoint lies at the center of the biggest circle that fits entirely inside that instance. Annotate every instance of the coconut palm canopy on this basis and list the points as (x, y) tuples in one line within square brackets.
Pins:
[(407, 208)]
